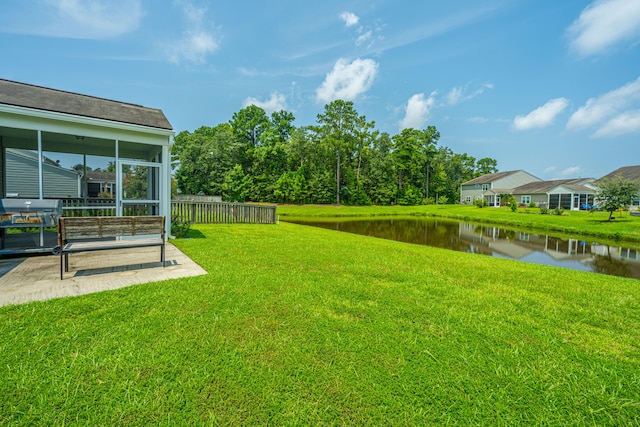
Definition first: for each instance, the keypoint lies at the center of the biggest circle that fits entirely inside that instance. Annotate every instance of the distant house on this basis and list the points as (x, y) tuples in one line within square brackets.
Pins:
[(22, 165), (525, 188), (627, 172), (101, 184), (572, 194), (490, 186)]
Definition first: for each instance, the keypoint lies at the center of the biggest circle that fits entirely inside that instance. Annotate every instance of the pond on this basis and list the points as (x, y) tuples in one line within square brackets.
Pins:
[(579, 253)]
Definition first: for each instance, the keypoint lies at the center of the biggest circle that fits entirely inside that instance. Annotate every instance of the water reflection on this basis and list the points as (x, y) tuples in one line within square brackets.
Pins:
[(575, 254)]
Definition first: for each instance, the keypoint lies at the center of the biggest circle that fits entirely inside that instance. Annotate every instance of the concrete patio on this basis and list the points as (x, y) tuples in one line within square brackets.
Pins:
[(37, 278)]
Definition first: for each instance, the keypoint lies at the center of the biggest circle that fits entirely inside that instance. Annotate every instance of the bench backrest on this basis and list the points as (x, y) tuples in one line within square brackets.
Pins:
[(98, 227)]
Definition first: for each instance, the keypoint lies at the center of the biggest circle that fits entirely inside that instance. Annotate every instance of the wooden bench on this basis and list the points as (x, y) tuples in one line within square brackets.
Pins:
[(84, 234)]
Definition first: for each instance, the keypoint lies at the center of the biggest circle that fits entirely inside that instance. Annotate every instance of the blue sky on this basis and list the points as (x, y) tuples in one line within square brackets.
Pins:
[(551, 87)]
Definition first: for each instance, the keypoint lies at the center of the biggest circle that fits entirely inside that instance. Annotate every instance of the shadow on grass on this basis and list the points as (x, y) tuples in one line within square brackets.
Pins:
[(195, 234)]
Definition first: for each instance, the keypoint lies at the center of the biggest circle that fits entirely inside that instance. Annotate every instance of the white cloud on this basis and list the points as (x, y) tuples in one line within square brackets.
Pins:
[(455, 95), (198, 41), (603, 24), (417, 111), (571, 171), (626, 123), (350, 19), (541, 116), (477, 119), (364, 37), (550, 169), (461, 93), (347, 80), (599, 109), (79, 19), (276, 102)]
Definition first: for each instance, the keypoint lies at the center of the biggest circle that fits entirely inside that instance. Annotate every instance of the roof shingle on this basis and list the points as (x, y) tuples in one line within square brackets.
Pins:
[(46, 99), (627, 172)]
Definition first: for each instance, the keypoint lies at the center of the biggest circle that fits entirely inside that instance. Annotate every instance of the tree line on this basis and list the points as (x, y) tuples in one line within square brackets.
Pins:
[(341, 159)]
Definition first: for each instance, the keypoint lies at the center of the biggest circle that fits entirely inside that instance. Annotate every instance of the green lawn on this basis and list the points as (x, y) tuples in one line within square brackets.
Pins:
[(295, 325), (624, 227)]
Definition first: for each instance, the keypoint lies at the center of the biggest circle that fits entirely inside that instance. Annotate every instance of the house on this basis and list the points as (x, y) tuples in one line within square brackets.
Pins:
[(490, 186), (631, 173), (135, 138), (100, 184), (571, 194), (21, 166), (526, 189)]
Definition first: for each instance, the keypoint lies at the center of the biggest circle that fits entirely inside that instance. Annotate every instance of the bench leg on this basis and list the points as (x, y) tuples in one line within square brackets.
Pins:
[(61, 261), (162, 255), (66, 262)]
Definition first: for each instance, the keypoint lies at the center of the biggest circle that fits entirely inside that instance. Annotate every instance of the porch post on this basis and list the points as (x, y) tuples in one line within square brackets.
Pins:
[(40, 183), (165, 185)]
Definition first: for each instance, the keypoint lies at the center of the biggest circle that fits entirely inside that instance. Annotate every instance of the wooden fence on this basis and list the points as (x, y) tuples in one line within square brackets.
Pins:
[(199, 211), (223, 213)]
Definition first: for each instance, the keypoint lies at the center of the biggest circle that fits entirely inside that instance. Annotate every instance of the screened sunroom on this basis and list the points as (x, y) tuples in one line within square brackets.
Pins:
[(54, 145)]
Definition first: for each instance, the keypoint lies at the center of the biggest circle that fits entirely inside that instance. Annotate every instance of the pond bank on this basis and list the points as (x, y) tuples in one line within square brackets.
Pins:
[(570, 252), (626, 227)]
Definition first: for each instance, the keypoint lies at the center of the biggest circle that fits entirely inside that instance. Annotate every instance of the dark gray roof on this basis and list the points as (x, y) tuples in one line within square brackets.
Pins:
[(626, 172), (101, 176), (490, 177), (46, 99), (540, 187)]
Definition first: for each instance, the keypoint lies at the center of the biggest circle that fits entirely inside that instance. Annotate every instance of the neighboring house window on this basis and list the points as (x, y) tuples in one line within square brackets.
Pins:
[(486, 187), (525, 200), (467, 199)]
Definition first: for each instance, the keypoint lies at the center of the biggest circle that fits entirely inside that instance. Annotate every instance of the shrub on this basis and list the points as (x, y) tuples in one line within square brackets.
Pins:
[(179, 227), (481, 203)]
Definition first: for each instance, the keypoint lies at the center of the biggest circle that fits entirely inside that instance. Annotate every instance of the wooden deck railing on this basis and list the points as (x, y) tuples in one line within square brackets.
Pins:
[(223, 213)]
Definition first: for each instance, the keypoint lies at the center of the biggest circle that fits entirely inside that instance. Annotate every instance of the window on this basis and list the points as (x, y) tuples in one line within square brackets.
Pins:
[(467, 199), (525, 200), (486, 187)]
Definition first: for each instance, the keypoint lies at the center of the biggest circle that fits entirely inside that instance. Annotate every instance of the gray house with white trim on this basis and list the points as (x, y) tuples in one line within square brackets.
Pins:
[(570, 194), (21, 167), (136, 138), (490, 186)]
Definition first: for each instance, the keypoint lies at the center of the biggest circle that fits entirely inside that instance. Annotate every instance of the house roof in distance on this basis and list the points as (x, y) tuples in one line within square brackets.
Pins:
[(626, 172), (490, 177), (59, 101), (544, 186)]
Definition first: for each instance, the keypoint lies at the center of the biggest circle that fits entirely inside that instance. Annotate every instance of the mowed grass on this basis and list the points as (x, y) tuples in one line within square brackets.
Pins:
[(624, 227), (295, 325)]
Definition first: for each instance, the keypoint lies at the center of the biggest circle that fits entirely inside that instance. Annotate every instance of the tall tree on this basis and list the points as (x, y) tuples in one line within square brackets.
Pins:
[(341, 128), (205, 157), (414, 152), (380, 171), (248, 126), (486, 166)]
